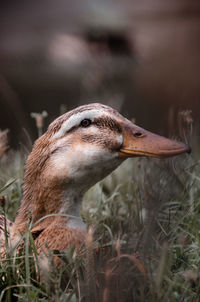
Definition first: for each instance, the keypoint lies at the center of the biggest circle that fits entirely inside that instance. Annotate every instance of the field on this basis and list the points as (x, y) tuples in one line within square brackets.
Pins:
[(143, 240)]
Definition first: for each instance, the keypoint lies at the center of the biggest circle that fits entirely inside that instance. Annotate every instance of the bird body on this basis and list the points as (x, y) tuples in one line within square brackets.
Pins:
[(79, 149)]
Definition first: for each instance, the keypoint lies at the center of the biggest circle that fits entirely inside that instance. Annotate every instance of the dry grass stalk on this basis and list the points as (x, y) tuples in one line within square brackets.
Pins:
[(90, 267), (39, 120), (3, 142), (185, 122), (2, 201), (106, 291)]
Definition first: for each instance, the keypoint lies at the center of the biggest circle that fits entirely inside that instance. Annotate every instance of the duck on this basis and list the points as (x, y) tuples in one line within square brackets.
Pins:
[(79, 149)]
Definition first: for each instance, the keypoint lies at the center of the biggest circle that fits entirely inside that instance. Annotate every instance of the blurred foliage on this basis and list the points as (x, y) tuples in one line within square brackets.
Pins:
[(143, 237)]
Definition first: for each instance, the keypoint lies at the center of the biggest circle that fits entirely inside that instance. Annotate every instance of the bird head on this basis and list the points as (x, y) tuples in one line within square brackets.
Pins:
[(86, 144)]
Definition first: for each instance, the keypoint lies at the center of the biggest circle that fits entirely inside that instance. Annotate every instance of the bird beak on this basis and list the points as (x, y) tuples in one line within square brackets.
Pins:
[(140, 142)]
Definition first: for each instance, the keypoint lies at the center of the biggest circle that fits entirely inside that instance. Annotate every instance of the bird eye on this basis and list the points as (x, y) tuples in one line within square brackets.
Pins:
[(86, 122)]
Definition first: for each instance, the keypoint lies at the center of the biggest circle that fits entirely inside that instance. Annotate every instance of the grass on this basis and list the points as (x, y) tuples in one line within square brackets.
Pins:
[(143, 242)]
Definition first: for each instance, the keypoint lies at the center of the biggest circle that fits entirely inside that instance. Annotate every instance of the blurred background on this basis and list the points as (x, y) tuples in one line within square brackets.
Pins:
[(140, 56)]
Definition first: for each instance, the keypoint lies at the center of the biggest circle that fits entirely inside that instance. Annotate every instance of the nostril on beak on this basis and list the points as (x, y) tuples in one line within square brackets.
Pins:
[(138, 134)]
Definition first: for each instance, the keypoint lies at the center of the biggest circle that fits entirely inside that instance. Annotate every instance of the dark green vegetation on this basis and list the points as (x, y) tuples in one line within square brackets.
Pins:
[(143, 242)]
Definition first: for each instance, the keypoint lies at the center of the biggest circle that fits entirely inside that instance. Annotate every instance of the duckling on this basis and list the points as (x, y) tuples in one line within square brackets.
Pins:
[(79, 149)]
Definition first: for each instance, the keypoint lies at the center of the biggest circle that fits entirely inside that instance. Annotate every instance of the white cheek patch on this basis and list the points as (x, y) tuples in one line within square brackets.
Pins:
[(73, 162), (76, 119)]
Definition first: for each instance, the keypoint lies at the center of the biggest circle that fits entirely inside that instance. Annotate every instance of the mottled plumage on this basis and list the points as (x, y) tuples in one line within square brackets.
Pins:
[(79, 149)]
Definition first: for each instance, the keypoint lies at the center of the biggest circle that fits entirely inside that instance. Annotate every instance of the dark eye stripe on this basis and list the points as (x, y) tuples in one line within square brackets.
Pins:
[(107, 122)]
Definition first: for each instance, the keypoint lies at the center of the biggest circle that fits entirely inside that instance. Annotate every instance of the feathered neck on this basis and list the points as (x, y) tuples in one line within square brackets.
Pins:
[(43, 195)]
